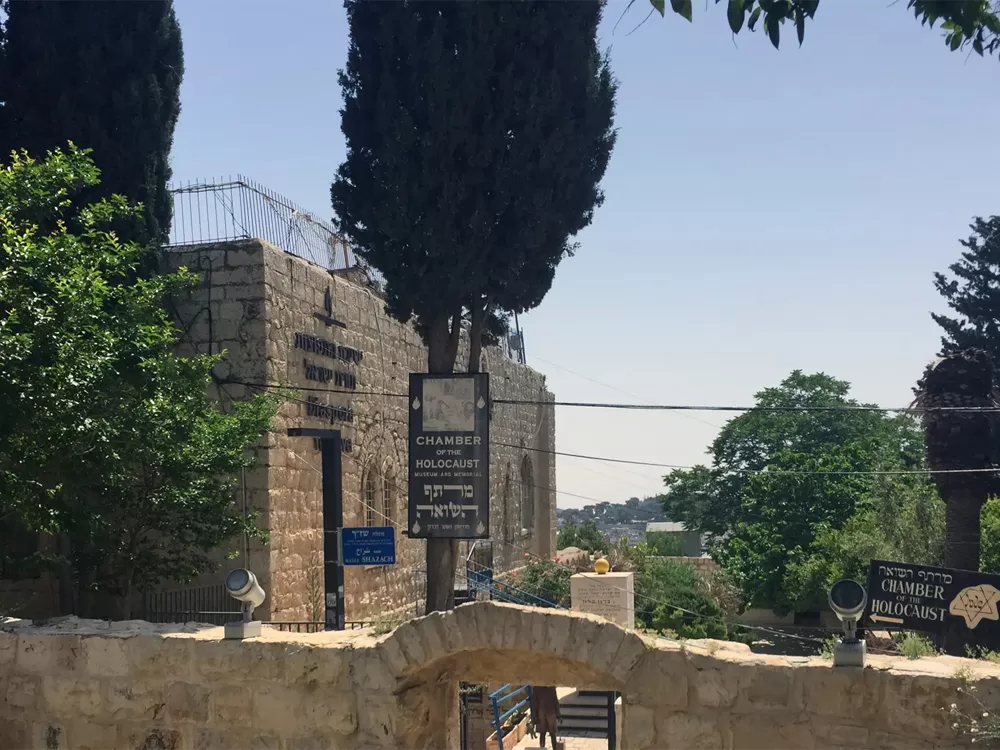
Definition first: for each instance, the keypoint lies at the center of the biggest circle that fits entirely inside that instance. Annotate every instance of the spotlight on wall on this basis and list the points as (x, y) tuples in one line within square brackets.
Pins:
[(848, 600), (242, 585)]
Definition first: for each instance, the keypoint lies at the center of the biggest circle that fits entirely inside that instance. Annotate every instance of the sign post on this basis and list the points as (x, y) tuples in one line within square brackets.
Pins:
[(333, 522), (934, 600), (449, 456)]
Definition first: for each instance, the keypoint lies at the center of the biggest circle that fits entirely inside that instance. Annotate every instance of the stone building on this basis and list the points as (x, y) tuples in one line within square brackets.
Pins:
[(286, 322)]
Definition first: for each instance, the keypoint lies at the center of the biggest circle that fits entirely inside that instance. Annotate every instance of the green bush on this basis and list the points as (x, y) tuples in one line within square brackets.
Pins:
[(545, 580), (670, 595), (664, 544), (914, 646)]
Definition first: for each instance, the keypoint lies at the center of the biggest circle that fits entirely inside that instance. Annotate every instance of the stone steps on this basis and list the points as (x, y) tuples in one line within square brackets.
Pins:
[(583, 714)]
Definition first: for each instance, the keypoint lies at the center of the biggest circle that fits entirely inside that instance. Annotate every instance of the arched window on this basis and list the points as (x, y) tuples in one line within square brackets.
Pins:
[(370, 494), (388, 497), (527, 495), (507, 534)]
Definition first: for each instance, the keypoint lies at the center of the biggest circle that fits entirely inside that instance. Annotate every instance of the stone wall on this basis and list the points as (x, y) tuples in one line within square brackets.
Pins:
[(80, 685), (251, 301)]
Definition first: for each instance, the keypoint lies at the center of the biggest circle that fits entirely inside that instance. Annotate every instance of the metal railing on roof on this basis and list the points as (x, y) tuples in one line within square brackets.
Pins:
[(237, 208)]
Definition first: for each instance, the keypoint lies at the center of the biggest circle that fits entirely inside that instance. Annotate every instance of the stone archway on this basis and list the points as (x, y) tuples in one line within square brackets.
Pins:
[(487, 642), (692, 695)]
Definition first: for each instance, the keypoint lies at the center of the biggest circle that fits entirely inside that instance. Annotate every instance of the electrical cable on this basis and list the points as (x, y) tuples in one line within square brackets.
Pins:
[(661, 407), (748, 472)]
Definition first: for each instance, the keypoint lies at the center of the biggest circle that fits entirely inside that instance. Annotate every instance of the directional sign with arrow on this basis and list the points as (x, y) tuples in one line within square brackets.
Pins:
[(931, 599)]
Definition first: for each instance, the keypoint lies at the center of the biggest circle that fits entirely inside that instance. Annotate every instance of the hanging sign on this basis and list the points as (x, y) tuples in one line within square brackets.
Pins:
[(931, 599), (449, 456)]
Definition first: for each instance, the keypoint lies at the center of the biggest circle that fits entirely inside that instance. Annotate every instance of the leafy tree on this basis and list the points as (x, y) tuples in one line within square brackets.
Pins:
[(968, 23), (990, 525), (972, 291), (107, 439), (902, 519), (770, 489), (106, 76), (477, 136), (585, 536)]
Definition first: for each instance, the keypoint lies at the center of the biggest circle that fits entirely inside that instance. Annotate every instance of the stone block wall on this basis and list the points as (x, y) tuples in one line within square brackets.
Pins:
[(251, 300), (81, 685)]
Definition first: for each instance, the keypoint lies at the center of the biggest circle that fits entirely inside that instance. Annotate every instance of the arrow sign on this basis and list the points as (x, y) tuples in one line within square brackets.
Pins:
[(935, 600), (883, 618)]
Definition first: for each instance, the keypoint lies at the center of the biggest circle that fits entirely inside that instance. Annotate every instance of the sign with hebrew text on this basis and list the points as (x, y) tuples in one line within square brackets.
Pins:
[(449, 456), (935, 600)]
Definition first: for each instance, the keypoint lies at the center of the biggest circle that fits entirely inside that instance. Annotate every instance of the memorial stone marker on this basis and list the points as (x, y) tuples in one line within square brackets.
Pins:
[(610, 595)]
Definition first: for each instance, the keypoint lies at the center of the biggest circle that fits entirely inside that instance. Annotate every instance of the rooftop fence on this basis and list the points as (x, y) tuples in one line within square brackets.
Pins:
[(237, 208)]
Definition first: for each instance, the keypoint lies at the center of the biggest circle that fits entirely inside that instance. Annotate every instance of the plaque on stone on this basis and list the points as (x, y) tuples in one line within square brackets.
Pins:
[(449, 456), (610, 595)]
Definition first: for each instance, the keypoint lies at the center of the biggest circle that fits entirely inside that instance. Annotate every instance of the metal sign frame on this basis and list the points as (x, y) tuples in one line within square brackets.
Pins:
[(449, 456)]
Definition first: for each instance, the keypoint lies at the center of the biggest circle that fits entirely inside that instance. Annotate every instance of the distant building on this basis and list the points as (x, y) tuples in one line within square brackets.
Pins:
[(691, 542)]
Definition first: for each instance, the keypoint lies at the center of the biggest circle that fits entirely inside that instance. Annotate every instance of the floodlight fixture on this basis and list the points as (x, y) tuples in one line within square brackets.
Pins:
[(242, 585), (848, 600)]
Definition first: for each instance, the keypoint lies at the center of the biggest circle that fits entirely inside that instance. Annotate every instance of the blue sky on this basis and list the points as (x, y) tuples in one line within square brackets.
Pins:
[(766, 210)]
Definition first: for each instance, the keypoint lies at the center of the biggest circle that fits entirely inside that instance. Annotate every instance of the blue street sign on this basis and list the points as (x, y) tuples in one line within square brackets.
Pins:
[(369, 545)]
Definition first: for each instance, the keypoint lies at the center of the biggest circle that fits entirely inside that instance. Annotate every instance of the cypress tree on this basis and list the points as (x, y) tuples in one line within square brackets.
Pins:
[(477, 136), (972, 291), (106, 76)]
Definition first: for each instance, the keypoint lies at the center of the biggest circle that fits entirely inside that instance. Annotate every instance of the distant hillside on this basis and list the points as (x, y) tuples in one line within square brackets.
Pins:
[(633, 511)]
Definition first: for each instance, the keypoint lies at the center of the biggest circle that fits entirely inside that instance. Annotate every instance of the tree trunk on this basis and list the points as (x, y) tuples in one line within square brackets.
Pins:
[(962, 528), (476, 337), (962, 540), (442, 349), (125, 601), (67, 588)]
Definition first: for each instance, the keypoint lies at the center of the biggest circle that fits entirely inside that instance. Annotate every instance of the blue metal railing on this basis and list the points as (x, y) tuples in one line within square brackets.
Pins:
[(501, 696)]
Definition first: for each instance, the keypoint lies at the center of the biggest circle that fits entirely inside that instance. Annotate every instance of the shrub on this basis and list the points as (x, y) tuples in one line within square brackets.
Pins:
[(914, 646), (544, 580), (670, 595)]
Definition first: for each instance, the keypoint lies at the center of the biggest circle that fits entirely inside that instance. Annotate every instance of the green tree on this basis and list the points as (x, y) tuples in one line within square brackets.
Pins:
[(585, 536), (990, 525), (106, 76), (774, 481), (968, 23), (107, 439), (902, 518), (477, 135), (972, 291)]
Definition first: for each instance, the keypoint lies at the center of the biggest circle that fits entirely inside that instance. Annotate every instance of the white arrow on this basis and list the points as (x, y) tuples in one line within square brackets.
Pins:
[(883, 618)]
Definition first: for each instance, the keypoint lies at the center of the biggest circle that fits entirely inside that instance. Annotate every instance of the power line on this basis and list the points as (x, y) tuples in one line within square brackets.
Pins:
[(766, 472), (619, 390), (748, 472), (657, 407), (776, 409)]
